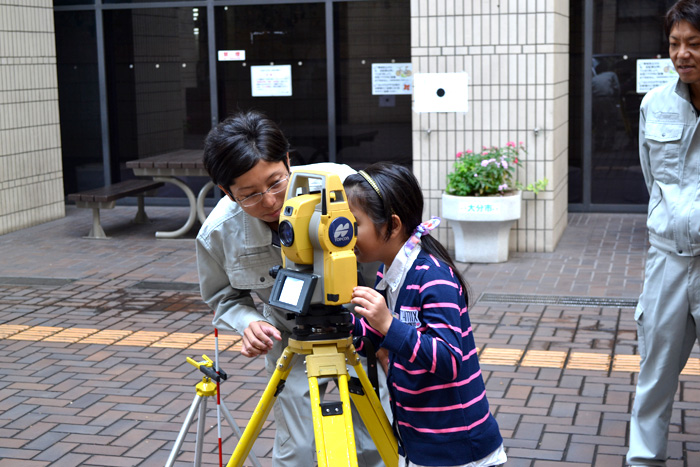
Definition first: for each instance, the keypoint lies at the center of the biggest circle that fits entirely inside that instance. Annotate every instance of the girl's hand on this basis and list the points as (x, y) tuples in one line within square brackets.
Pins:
[(372, 306)]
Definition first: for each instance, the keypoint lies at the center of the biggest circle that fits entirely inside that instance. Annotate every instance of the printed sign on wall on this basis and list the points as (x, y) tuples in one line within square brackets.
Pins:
[(654, 72), (392, 78), (271, 80), (231, 55)]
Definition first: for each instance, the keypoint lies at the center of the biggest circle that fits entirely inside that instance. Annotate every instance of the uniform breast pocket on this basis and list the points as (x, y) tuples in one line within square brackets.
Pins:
[(664, 140), (252, 270)]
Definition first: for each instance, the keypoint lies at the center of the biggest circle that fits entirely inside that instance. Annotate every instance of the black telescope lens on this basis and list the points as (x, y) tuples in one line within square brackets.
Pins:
[(286, 233)]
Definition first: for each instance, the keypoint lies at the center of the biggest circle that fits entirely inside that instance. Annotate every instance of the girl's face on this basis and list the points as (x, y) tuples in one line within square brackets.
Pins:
[(370, 244)]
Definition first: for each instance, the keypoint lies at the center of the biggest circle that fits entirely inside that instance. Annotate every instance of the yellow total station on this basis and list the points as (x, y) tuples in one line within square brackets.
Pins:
[(317, 233)]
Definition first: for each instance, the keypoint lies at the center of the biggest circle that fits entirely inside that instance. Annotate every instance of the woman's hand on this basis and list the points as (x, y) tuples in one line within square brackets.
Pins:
[(372, 306), (257, 338)]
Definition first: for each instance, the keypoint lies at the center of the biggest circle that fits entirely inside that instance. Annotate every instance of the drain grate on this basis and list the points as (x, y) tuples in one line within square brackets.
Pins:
[(185, 287), (558, 300), (36, 281)]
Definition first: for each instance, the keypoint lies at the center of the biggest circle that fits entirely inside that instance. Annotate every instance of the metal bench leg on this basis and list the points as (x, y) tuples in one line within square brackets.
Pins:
[(141, 217), (96, 230)]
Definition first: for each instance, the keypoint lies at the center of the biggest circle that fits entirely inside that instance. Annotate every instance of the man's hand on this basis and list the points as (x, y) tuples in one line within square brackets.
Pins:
[(372, 306), (257, 338)]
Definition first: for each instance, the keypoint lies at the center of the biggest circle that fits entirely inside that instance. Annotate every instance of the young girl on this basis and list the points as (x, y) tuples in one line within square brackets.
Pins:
[(419, 314)]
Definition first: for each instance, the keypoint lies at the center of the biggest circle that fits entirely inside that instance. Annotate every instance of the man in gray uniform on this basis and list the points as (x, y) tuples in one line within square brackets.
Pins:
[(669, 306), (247, 156)]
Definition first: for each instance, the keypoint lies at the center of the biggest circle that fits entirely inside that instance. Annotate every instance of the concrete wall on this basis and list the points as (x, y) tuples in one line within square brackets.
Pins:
[(31, 180), (516, 55)]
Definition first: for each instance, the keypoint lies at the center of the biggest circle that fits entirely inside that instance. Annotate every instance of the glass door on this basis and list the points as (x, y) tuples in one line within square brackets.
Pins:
[(272, 58), (372, 126), (607, 39)]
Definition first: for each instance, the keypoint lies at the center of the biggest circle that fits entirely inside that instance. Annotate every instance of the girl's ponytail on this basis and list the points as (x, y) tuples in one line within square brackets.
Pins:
[(433, 247)]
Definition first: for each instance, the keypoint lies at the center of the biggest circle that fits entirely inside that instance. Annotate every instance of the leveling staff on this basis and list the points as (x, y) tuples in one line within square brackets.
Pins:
[(247, 156)]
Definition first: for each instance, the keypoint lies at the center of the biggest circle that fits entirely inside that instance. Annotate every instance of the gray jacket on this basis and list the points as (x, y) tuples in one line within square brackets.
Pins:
[(234, 257), (669, 151)]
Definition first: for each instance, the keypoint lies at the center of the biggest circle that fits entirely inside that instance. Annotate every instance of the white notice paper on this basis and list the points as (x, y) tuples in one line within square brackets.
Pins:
[(392, 78), (271, 80), (654, 72)]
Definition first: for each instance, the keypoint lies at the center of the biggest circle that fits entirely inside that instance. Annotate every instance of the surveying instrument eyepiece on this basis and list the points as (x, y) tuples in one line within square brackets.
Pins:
[(318, 233)]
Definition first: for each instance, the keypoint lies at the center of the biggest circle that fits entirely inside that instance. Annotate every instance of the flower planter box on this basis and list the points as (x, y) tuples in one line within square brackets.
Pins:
[(481, 225)]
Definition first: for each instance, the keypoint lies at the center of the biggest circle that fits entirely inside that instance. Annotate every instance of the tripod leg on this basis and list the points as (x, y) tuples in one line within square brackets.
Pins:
[(237, 430), (201, 426), (373, 416), (183, 431), (252, 430), (333, 430)]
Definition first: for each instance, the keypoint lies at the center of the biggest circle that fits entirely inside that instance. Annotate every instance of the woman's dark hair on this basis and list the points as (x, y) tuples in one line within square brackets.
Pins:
[(235, 145), (401, 195), (683, 10)]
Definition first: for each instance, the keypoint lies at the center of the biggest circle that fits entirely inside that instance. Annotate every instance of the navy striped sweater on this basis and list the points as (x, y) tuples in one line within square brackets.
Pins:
[(438, 397)]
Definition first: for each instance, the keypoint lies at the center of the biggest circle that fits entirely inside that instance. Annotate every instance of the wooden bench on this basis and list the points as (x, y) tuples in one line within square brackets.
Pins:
[(106, 197)]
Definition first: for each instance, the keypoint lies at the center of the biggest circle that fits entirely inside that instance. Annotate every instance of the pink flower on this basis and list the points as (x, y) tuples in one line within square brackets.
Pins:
[(511, 144), (522, 144), (459, 154), (484, 163), (469, 151), (504, 164), (503, 187)]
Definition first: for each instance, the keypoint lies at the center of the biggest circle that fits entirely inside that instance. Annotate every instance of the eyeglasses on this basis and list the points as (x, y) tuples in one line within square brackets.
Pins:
[(254, 199)]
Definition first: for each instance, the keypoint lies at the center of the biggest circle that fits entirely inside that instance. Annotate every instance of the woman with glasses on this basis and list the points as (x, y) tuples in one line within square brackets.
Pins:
[(247, 156)]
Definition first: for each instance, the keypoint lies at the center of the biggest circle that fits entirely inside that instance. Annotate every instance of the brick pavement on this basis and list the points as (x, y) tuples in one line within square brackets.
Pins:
[(94, 335)]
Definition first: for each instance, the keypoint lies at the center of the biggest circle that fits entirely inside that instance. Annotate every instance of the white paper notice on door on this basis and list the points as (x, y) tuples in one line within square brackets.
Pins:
[(271, 80)]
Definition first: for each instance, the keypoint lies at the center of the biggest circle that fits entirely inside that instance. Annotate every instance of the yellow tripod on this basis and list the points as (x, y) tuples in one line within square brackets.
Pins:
[(333, 428)]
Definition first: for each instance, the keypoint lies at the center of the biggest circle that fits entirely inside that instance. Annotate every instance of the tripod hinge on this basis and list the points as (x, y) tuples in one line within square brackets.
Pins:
[(331, 408), (355, 386), (279, 388)]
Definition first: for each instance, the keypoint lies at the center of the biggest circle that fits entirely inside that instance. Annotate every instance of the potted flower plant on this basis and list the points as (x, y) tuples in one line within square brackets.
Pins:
[(483, 199)]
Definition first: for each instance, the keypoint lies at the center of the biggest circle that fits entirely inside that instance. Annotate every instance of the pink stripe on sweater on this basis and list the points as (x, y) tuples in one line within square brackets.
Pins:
[(456, 329), (366, 328), (454, 367), (415, 349), (442, 304), (422, 266), (437, 282), (438, 387), (455, 429), (469, 355), (442, 408), (410, 372), (434, 365), (479, 422)]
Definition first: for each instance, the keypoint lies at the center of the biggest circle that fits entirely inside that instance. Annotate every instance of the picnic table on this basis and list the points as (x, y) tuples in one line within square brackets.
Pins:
[(167, 168)]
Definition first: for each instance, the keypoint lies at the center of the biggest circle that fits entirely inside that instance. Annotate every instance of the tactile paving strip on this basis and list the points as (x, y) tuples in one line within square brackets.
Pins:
[(196, 341)]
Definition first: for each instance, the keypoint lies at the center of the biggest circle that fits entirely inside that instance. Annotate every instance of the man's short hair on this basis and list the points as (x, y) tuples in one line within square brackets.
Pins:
[(683, 10), (238, 143)]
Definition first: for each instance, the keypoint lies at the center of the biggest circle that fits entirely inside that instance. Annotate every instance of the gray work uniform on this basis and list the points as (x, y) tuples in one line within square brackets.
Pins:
[(669, 306), (234, 256)]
